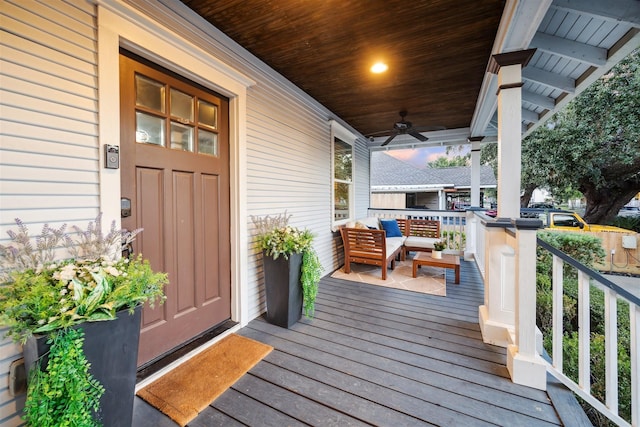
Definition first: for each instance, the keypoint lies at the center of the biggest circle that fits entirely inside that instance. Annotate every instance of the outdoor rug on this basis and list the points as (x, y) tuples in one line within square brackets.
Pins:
[(429, 280), (188, 389)]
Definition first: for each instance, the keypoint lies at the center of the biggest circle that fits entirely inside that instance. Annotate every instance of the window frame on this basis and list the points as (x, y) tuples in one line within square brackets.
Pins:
[(339, 132)]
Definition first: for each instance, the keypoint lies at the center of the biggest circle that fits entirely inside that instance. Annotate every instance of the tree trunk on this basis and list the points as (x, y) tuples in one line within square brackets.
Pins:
[(526, 196), (603, 204)]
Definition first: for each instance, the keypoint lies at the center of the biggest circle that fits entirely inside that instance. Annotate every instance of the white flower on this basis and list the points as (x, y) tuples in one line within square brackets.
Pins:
[(66, 273), (112, 271)]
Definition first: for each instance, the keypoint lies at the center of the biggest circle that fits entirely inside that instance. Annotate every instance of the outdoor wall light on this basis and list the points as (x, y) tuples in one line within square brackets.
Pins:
[(379, 67)]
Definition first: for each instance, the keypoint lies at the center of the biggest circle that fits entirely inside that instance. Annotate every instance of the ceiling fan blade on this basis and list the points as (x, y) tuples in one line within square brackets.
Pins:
[(414, 133), (389, 139)]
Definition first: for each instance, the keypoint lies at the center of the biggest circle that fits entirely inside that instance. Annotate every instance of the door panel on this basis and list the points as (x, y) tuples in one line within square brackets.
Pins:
[(175, 168)]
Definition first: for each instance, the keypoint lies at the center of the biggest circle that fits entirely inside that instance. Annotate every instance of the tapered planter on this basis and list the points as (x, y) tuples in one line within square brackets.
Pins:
[(112, 349), (283, 289)]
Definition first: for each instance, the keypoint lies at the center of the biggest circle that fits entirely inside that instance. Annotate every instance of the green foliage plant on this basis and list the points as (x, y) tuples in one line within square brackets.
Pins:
[(63, 393), (40, 295), (439, 245), (452, 239), (275, 238), (43, 292)]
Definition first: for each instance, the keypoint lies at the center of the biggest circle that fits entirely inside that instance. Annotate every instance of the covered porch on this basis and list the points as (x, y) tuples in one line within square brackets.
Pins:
[(371, 356), (380, 356)]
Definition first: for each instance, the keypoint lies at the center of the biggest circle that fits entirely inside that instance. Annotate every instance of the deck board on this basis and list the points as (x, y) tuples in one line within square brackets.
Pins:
[(380, 356)]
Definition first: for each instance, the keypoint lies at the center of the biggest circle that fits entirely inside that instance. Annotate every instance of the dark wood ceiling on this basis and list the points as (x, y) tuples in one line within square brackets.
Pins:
[(437, 52)]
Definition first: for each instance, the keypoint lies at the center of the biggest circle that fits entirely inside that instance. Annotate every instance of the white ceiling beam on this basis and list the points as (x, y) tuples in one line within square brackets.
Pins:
[(623, 48), (620, 11), (547, 78), (542, 101), (570, 49), (529, 116)]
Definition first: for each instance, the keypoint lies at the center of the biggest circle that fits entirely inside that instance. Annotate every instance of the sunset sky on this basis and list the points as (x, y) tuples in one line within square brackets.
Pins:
[(420, 157)]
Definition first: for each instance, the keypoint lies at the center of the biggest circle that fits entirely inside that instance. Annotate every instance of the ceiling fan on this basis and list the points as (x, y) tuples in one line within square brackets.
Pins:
[(404, 127)]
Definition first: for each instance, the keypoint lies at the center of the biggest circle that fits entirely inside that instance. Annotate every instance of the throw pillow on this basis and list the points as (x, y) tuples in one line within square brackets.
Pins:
[(391, 228)]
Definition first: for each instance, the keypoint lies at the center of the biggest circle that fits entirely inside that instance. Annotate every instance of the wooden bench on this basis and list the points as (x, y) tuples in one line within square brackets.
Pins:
[(366, 246)]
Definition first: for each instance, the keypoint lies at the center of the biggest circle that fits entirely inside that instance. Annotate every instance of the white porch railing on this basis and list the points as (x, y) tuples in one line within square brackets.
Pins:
[(613, 297), (500, 255), (452, 224), (505, 252)]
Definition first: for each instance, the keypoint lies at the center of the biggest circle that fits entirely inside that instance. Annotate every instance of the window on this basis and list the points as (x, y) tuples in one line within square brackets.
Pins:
[(565, 221), (343, 186), (192, 122)]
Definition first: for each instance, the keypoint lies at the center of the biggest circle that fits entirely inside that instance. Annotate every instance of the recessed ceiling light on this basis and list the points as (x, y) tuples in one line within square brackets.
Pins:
[(379, 67)]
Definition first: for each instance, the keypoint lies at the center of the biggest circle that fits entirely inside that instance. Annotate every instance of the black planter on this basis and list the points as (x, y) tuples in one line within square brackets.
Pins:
[(284, 291), (112, 349)]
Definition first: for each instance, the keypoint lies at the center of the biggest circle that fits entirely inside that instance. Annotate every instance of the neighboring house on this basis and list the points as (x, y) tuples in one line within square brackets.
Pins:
[(397, 184)]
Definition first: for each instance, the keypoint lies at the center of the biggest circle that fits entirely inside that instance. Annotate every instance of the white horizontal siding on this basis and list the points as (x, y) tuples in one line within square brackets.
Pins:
[(49, 155), (288, 169)]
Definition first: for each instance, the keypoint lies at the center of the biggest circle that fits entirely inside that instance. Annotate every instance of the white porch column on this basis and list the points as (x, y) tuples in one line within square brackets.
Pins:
[(509, 66), (475, 171), (525, 365), (497, 315)]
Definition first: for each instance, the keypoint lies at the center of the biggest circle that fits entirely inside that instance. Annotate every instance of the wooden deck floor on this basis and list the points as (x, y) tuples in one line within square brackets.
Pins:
[(377, 356)]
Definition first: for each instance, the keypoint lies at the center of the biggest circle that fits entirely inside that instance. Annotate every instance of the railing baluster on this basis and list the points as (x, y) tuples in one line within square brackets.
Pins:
[(584, 333), (611, 349), (558, 321)]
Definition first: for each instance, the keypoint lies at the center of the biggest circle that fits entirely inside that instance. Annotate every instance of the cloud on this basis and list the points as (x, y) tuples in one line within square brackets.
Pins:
[(418, 157)]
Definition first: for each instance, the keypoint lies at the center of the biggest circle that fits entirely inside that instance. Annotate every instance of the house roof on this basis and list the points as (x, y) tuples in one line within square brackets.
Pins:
[(391, 174), (439, 56)]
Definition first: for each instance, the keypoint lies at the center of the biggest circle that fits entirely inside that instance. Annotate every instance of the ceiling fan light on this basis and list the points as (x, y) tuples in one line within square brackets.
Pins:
[(379, 67)]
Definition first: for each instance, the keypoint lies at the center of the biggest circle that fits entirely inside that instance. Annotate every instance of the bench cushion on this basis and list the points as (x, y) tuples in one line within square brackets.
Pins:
[(371, 222), (394, 243), (420, 242)]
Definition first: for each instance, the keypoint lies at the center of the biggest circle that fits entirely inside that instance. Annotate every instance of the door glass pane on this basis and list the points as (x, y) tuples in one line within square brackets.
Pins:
[(149, 129), (207, 114), (149, 93), (181, 137), (341, 192), (181, 106), (342, 160), (207, 142)]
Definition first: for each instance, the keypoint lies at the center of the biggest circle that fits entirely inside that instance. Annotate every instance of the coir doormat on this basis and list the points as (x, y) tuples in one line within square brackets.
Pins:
[(429, 280), (188, 389)]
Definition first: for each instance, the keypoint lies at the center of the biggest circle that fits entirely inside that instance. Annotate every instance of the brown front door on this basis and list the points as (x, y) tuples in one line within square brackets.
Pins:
[(175, 172)]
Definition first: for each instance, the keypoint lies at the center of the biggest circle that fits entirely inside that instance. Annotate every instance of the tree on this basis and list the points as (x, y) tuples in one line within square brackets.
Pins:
[(593, 146), (449, 161)]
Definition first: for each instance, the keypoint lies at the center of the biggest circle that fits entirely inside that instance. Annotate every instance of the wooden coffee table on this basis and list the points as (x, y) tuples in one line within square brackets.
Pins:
[(447, 261)]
